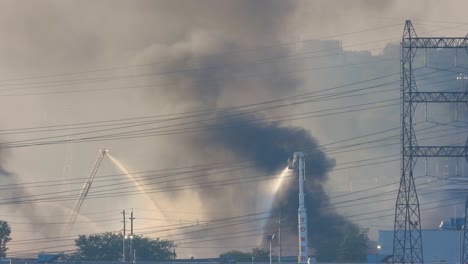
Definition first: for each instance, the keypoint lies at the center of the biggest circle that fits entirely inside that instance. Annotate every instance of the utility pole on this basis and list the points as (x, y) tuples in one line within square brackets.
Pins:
[(131, 237), (279, 237), (270, 238), (123, 237)]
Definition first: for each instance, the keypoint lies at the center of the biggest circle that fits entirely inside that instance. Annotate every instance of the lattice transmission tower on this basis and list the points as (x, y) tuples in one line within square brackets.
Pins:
[(465, 235), (407, 240)]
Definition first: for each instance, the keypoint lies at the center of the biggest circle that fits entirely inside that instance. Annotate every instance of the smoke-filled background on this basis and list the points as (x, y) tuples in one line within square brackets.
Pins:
[(203, 102)]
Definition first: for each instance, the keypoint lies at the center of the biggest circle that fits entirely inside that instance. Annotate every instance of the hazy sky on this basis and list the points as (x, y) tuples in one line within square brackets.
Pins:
[(102, 63)]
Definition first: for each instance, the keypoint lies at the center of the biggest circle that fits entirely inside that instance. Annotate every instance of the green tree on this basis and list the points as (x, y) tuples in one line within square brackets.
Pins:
[(108, 247), (148, 249), (353, 247), (259, 254), (236, 255), (350, 245), (327, 248), (5, 232), (99, 247)]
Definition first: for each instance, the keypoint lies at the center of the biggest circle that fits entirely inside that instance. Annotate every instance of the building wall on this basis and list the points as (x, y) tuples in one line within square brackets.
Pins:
[(438, 245)]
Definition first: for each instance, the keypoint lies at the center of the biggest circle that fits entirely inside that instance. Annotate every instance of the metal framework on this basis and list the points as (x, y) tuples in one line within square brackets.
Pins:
[(85, 190), (407, 241), (465, 235), (437, 97), (436, 151)]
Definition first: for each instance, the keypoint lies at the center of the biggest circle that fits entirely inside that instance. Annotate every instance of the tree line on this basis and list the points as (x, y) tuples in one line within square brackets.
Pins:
[(108, 247)]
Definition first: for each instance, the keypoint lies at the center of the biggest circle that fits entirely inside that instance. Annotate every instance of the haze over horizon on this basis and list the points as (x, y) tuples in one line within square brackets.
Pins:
[(202, 102)]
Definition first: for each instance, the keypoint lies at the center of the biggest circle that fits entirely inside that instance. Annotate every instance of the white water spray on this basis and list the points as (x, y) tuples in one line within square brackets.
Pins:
[(135, 182), (274, 188), (285, 173), (271, 194)]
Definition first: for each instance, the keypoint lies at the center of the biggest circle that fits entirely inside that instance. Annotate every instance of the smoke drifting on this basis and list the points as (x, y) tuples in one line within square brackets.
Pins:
[(222, 79), (218, 76), (10, 195), (215, 54), (269, 146)]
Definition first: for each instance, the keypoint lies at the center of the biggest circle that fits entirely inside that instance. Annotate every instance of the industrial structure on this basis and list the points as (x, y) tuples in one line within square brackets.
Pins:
[(407, 236), (465, 234), (442, 245), (86, 187), (298, 164)]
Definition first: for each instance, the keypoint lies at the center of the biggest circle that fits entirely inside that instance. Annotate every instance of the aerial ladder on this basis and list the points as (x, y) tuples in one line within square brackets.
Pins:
[(85, 190)]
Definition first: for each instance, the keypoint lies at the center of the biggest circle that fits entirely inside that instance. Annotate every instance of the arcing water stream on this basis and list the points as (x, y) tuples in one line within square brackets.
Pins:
[(135, 182)]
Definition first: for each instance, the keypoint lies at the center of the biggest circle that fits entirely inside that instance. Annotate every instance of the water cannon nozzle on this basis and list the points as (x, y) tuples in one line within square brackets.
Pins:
[(103, 151), (291, 164)]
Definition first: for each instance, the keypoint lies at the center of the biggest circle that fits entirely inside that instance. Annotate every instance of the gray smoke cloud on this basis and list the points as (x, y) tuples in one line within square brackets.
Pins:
[(197, 45), (269, 145), (441, 179), (221, 77), (12, 188)]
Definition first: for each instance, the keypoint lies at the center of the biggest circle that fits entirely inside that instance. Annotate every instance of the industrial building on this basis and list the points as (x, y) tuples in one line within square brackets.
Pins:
[(442, 245)]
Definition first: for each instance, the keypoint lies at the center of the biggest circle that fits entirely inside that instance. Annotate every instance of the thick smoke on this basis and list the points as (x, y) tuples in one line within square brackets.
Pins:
[(269, 145), (215, 74), (198, 43), (11, 190), (266, 144), (246, 137), (442, 179)]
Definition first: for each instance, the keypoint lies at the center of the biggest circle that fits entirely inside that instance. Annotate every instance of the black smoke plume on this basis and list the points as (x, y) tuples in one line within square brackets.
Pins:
[(222, 71), (269, 145), (13, 198)]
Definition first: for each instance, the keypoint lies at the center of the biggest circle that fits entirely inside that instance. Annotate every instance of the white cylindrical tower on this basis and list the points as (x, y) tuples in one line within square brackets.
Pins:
[(302, 213)]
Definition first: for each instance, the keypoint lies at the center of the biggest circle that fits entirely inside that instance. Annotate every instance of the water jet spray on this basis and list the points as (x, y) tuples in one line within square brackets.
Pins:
[(134, 181)]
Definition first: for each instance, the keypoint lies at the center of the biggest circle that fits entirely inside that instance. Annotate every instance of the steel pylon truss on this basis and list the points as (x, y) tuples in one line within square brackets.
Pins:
[(407, 241), (437, 97), (465, 235), (436, 151), (433, 43)]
